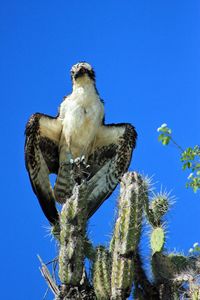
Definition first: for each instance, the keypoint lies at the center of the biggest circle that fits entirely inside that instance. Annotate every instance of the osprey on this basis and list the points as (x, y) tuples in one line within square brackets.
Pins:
[(78, 140)]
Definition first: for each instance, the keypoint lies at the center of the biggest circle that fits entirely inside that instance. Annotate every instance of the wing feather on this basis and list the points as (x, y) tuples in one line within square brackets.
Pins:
[(41, 158), (110, 160)]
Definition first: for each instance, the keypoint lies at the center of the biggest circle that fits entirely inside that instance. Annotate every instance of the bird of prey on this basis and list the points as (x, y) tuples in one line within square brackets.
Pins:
[(77, 136)]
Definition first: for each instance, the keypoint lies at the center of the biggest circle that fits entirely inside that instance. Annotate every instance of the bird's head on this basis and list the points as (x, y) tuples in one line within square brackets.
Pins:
[(82, 73)]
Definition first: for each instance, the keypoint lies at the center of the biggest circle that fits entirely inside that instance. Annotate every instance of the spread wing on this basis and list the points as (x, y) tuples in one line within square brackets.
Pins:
[(41, 158), (109, 161)]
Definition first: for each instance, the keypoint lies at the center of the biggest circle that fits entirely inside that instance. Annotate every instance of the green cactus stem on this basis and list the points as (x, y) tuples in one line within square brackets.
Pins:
[(195, 293), (194, 289), (115, 270), (167, 267), (127, 234), (73, 220), (55, 231), (157, 208), (157, 239), (101, 273)]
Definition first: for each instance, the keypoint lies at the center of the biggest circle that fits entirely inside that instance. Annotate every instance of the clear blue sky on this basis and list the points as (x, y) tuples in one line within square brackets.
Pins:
[(146, 57)]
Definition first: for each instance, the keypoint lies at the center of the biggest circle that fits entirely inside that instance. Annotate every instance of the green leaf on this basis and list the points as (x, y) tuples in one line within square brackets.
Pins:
[(169, 131), (184, 166), (166, 140), (161, 136)]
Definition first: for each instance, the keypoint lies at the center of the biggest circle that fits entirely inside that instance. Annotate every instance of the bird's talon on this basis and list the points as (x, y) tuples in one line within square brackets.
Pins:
[(83, 158), (77, 160)]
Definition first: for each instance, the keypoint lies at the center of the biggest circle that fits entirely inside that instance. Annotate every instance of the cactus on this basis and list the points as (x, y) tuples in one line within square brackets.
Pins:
[(166, 266), (72, 237), (157, 208), (127, 234), (119, 267), (157, 239), (101, 273)]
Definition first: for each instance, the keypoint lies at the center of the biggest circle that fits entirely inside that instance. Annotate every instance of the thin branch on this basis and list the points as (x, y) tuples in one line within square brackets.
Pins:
[(47, 276), (177, 145)]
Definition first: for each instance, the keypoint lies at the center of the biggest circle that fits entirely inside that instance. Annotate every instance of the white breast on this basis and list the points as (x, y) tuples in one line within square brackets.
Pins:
[(81, 114)]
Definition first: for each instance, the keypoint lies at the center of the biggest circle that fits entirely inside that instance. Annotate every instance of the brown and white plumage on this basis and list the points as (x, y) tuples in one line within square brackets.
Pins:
[(78, 130)]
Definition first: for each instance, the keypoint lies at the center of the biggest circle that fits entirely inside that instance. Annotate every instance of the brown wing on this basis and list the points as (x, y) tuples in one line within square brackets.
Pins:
[(41, 158), (110, 160)]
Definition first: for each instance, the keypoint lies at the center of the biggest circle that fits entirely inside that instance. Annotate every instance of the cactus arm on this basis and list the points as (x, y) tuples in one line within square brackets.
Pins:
[(157, 208), (157, 239), (72, 237), (101, 273), (127, 234)]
